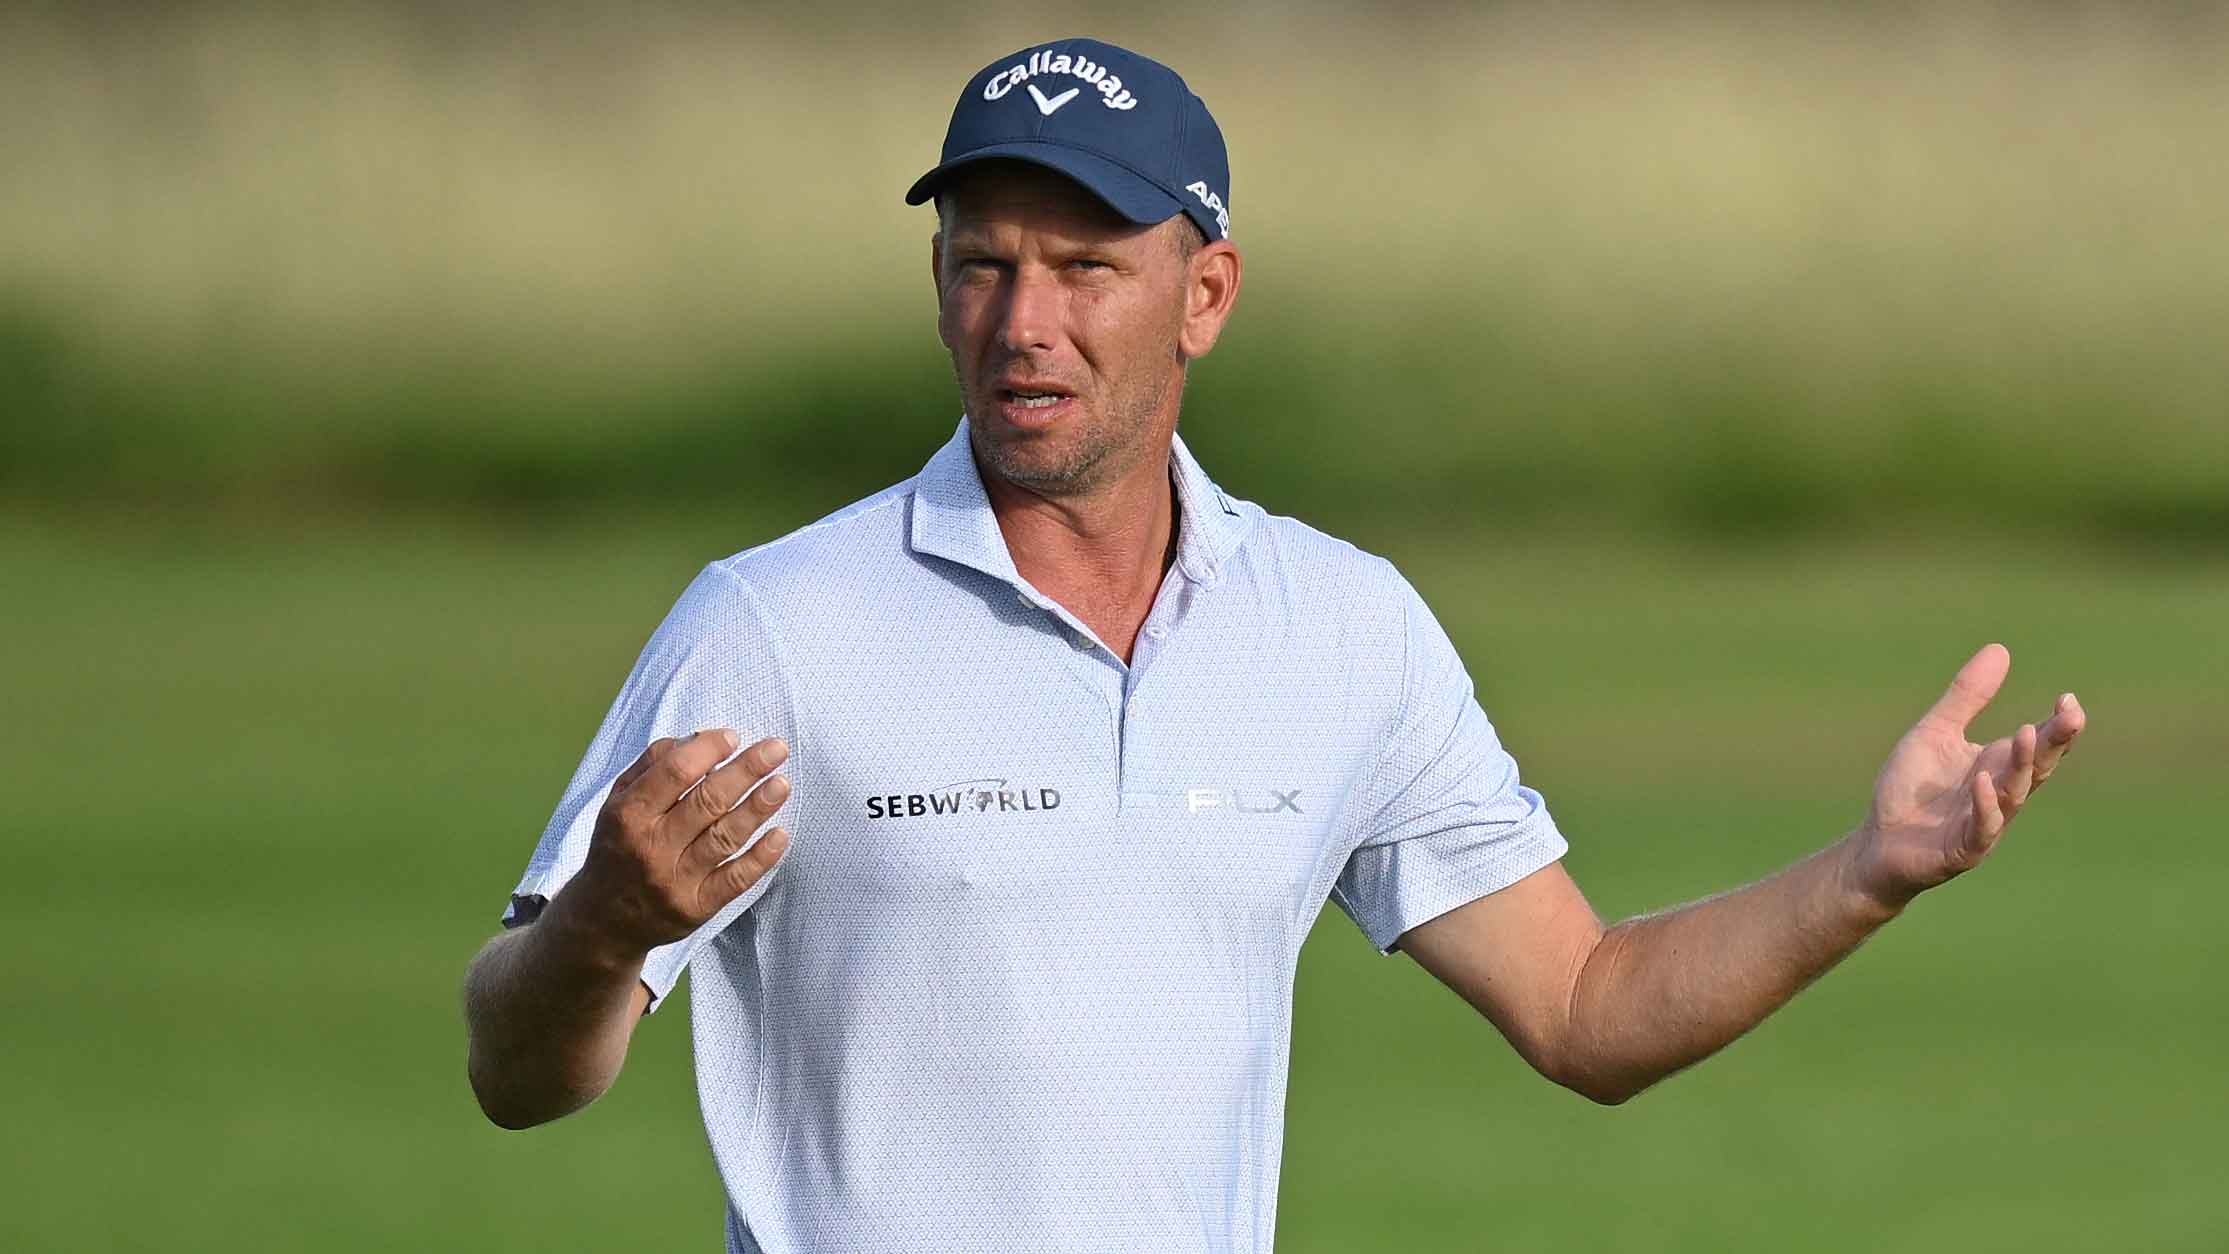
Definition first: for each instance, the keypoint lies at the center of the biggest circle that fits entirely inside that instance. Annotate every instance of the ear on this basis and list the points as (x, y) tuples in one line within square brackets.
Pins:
[(1211, 281)]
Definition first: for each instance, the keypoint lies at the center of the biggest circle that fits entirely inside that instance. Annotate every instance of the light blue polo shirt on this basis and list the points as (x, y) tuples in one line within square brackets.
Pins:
[(1023, 981)]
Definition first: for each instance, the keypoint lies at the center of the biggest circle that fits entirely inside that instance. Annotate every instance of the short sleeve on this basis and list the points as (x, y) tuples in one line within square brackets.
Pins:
[(713, 662), (1447, 821)]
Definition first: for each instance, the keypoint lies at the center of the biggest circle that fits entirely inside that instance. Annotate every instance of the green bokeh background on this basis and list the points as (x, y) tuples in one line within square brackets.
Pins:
[(373, 376)]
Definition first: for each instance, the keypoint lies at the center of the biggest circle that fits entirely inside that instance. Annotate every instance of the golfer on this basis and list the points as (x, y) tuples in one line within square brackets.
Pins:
[(990, 812)]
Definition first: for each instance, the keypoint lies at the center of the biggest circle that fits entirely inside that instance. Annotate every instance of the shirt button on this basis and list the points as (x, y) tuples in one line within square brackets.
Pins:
[(1158, 632), (1023, 597), (1081, 641)]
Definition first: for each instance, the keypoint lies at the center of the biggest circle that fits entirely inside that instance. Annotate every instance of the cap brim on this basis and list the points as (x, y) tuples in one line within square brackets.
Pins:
[(1132, 195)]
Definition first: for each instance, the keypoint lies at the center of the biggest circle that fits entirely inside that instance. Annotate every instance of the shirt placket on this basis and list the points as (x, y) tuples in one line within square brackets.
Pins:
[(1123, 686), (1146, 697), (1097, 665)]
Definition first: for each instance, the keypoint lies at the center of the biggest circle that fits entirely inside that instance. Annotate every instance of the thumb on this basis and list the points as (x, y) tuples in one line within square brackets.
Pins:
[(1971, 690)]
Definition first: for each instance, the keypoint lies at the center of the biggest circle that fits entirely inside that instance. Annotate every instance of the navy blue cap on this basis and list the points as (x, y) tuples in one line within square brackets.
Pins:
[(1124, 126)]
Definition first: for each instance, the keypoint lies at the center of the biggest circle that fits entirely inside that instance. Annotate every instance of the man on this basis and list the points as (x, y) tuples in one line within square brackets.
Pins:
[(1080, 747)]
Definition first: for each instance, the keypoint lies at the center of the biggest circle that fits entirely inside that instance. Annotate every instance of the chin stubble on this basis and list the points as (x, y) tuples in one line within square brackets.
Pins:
[(1073, 473), (1085, 465)]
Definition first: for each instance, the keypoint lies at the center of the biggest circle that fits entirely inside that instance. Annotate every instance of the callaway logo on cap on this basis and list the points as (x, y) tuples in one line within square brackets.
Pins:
[(1124, 126)]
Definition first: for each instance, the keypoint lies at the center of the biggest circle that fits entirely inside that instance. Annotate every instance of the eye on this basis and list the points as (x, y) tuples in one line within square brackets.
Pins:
[(1089, 263), (977, 267)]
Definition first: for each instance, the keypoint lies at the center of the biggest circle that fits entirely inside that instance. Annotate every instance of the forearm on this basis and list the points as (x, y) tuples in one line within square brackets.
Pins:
[(550, 1009), (1663, 991)]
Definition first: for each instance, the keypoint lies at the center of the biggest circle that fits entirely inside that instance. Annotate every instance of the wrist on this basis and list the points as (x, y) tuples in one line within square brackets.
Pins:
[(1863, 889), (588, 940)]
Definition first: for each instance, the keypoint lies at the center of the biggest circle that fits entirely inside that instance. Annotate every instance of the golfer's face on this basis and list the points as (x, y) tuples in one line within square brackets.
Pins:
[(1062, 320)]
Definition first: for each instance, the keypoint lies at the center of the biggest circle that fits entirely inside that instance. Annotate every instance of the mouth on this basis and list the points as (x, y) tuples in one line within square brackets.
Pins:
[(1035, 405)]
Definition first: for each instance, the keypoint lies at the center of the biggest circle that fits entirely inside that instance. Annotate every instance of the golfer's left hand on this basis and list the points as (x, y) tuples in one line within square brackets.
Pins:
[(1941, 802)]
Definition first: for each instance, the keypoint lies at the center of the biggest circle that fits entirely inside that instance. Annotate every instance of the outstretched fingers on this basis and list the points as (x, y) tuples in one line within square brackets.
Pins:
[(1971, 690), (1997, 795), (2013, 792), (1989, 817), (2057, 735)]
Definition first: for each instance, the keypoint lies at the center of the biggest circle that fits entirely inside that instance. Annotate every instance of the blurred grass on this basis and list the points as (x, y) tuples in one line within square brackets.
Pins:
[(1720, 269), (269, 786)]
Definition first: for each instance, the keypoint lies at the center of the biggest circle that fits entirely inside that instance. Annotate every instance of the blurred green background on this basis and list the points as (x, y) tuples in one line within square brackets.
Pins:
[(372, 376)]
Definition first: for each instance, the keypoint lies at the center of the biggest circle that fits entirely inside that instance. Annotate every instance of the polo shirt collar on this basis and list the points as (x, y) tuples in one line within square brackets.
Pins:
[(952, 516)]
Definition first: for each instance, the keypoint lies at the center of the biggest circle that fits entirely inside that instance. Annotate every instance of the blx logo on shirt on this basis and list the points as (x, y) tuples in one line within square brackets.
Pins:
[(969, 796), (1261, 801), (1217, 800)]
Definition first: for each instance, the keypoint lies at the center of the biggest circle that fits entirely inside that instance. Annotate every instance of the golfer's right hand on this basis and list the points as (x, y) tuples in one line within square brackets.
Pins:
[(659, 864)]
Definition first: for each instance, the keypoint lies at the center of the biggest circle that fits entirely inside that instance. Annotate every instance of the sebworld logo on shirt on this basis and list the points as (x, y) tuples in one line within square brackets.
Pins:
[(969, 796)]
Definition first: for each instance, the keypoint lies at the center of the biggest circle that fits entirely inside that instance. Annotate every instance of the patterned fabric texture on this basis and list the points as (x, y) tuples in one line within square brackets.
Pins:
[(1023, 981)]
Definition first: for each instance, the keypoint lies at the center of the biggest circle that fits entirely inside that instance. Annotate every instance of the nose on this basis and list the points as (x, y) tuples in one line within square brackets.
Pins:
[(1032, 311)]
